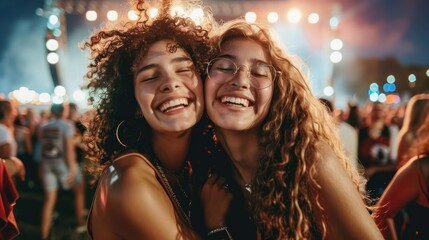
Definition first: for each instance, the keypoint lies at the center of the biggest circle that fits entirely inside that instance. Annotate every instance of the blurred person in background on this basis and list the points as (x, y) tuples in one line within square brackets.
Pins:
[(58, 165), (8, 145), (24, 142), (377, 150), (80, 148), (415, 114), (347, 134), (409, 189)]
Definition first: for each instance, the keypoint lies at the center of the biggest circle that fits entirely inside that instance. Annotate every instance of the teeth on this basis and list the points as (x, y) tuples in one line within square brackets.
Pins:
[(173, 103), (235, 100)]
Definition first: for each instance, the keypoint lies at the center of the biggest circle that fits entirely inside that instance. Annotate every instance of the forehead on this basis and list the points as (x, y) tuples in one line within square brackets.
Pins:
[(164, 47), (244, 49)]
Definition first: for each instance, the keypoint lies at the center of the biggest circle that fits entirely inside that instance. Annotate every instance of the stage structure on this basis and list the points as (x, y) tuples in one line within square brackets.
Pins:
[(309, 29)]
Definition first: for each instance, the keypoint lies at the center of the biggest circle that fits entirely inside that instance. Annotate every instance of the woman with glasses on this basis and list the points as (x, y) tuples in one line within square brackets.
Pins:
[(275, 147)]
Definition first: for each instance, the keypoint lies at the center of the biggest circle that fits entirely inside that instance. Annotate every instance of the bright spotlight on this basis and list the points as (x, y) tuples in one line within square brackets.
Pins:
[(132, 15), (294, 15), (52, 44), (53, 19), (112, 15), (79, 95), (390, 79), (313, 18), (328, 91), (57, 99), (153, 12), (336, 57), (53, 58), (412, 78), (334, 22), (272, 17), (250, 17), (44, 97), (427, 72), (336, 44), (373, 97), (177, 11), (382, 97), (60, 91), (91, 15), (196, 15)]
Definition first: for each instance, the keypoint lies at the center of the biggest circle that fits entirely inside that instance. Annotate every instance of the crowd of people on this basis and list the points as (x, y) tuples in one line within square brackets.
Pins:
[(212, 131)]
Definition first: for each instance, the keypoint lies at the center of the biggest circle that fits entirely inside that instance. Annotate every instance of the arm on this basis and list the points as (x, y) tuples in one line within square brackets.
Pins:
[(14, 167), (345, 214), (216, 199), (138, 206), (71, 159), (28, 143), (406, 183)]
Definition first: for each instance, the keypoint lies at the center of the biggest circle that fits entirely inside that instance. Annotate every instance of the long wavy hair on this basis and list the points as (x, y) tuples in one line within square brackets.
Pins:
[(421, 143), (286, 188), (115, 50)]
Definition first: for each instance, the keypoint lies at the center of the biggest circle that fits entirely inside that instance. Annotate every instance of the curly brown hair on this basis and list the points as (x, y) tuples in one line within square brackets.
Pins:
[(115, 51), (286, 189)]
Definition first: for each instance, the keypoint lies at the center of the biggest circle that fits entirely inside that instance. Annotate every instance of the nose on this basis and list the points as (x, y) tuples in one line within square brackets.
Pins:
[(169, 84), (242, 77)]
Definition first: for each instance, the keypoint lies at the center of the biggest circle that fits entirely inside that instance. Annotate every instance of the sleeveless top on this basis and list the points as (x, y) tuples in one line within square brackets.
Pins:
[(162, 177), (418, 226)]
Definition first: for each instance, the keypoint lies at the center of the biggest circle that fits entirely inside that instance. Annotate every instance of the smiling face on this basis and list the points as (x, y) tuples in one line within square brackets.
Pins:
[(236, 104), (168, 89)]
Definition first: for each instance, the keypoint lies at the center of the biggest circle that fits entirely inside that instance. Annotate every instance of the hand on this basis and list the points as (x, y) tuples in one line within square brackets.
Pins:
[(215, 198), (71, 177)]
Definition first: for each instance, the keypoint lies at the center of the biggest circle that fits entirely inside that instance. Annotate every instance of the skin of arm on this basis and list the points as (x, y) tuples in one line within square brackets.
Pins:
[(71, 159), (15, 168), (138, 207), (345, 214), (406, 183)]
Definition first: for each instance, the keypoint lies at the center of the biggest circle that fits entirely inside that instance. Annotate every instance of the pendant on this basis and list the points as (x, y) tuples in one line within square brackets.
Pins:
[(248, 187)]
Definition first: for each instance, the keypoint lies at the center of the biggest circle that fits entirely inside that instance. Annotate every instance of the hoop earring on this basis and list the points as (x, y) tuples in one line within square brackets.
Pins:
[(117, 134)]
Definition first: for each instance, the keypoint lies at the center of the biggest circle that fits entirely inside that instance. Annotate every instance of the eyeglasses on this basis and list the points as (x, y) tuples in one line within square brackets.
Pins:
[(222, 70)]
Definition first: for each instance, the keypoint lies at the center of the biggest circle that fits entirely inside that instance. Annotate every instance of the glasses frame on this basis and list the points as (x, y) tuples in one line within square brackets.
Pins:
[(238, 67)]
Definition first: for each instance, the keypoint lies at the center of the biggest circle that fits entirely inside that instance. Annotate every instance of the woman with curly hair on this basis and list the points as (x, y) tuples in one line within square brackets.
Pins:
[(409, 188), (287, 173), (146, 89)]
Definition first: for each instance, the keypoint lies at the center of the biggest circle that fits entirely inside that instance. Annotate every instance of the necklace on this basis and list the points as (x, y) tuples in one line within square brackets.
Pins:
[(248, 187), (173, 195)]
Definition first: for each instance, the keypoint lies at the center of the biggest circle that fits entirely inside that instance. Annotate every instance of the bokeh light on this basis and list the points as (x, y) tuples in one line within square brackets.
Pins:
[(91, 15), (336, 44), (272, 17), (250, 17), (313, 18), (53, 58), (390, 79), (412, 78), (294, 15), (112, 15), (52, 44), (336, 57), (132, 15)]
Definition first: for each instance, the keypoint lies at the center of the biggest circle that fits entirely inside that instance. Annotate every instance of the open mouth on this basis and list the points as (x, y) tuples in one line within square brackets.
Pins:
[(173, 104), (235, 101)]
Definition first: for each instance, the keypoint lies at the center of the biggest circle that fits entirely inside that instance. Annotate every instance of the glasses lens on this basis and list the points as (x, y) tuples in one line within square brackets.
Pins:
[(262, 75), (221, 70)]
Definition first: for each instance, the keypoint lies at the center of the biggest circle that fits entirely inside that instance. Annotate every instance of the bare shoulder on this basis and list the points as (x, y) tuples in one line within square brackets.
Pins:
[(328, 162), (134, 194)]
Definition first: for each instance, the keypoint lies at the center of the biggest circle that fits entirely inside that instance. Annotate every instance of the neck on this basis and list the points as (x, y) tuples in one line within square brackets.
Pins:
[(171, 148), (243, 150)]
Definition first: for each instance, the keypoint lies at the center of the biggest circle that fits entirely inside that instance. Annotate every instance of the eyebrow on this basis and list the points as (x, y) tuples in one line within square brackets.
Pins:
[(154, 65), (234, 58)]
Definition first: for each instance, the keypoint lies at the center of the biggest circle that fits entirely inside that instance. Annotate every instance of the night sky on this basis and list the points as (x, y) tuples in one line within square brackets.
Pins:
[(369, 28)]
